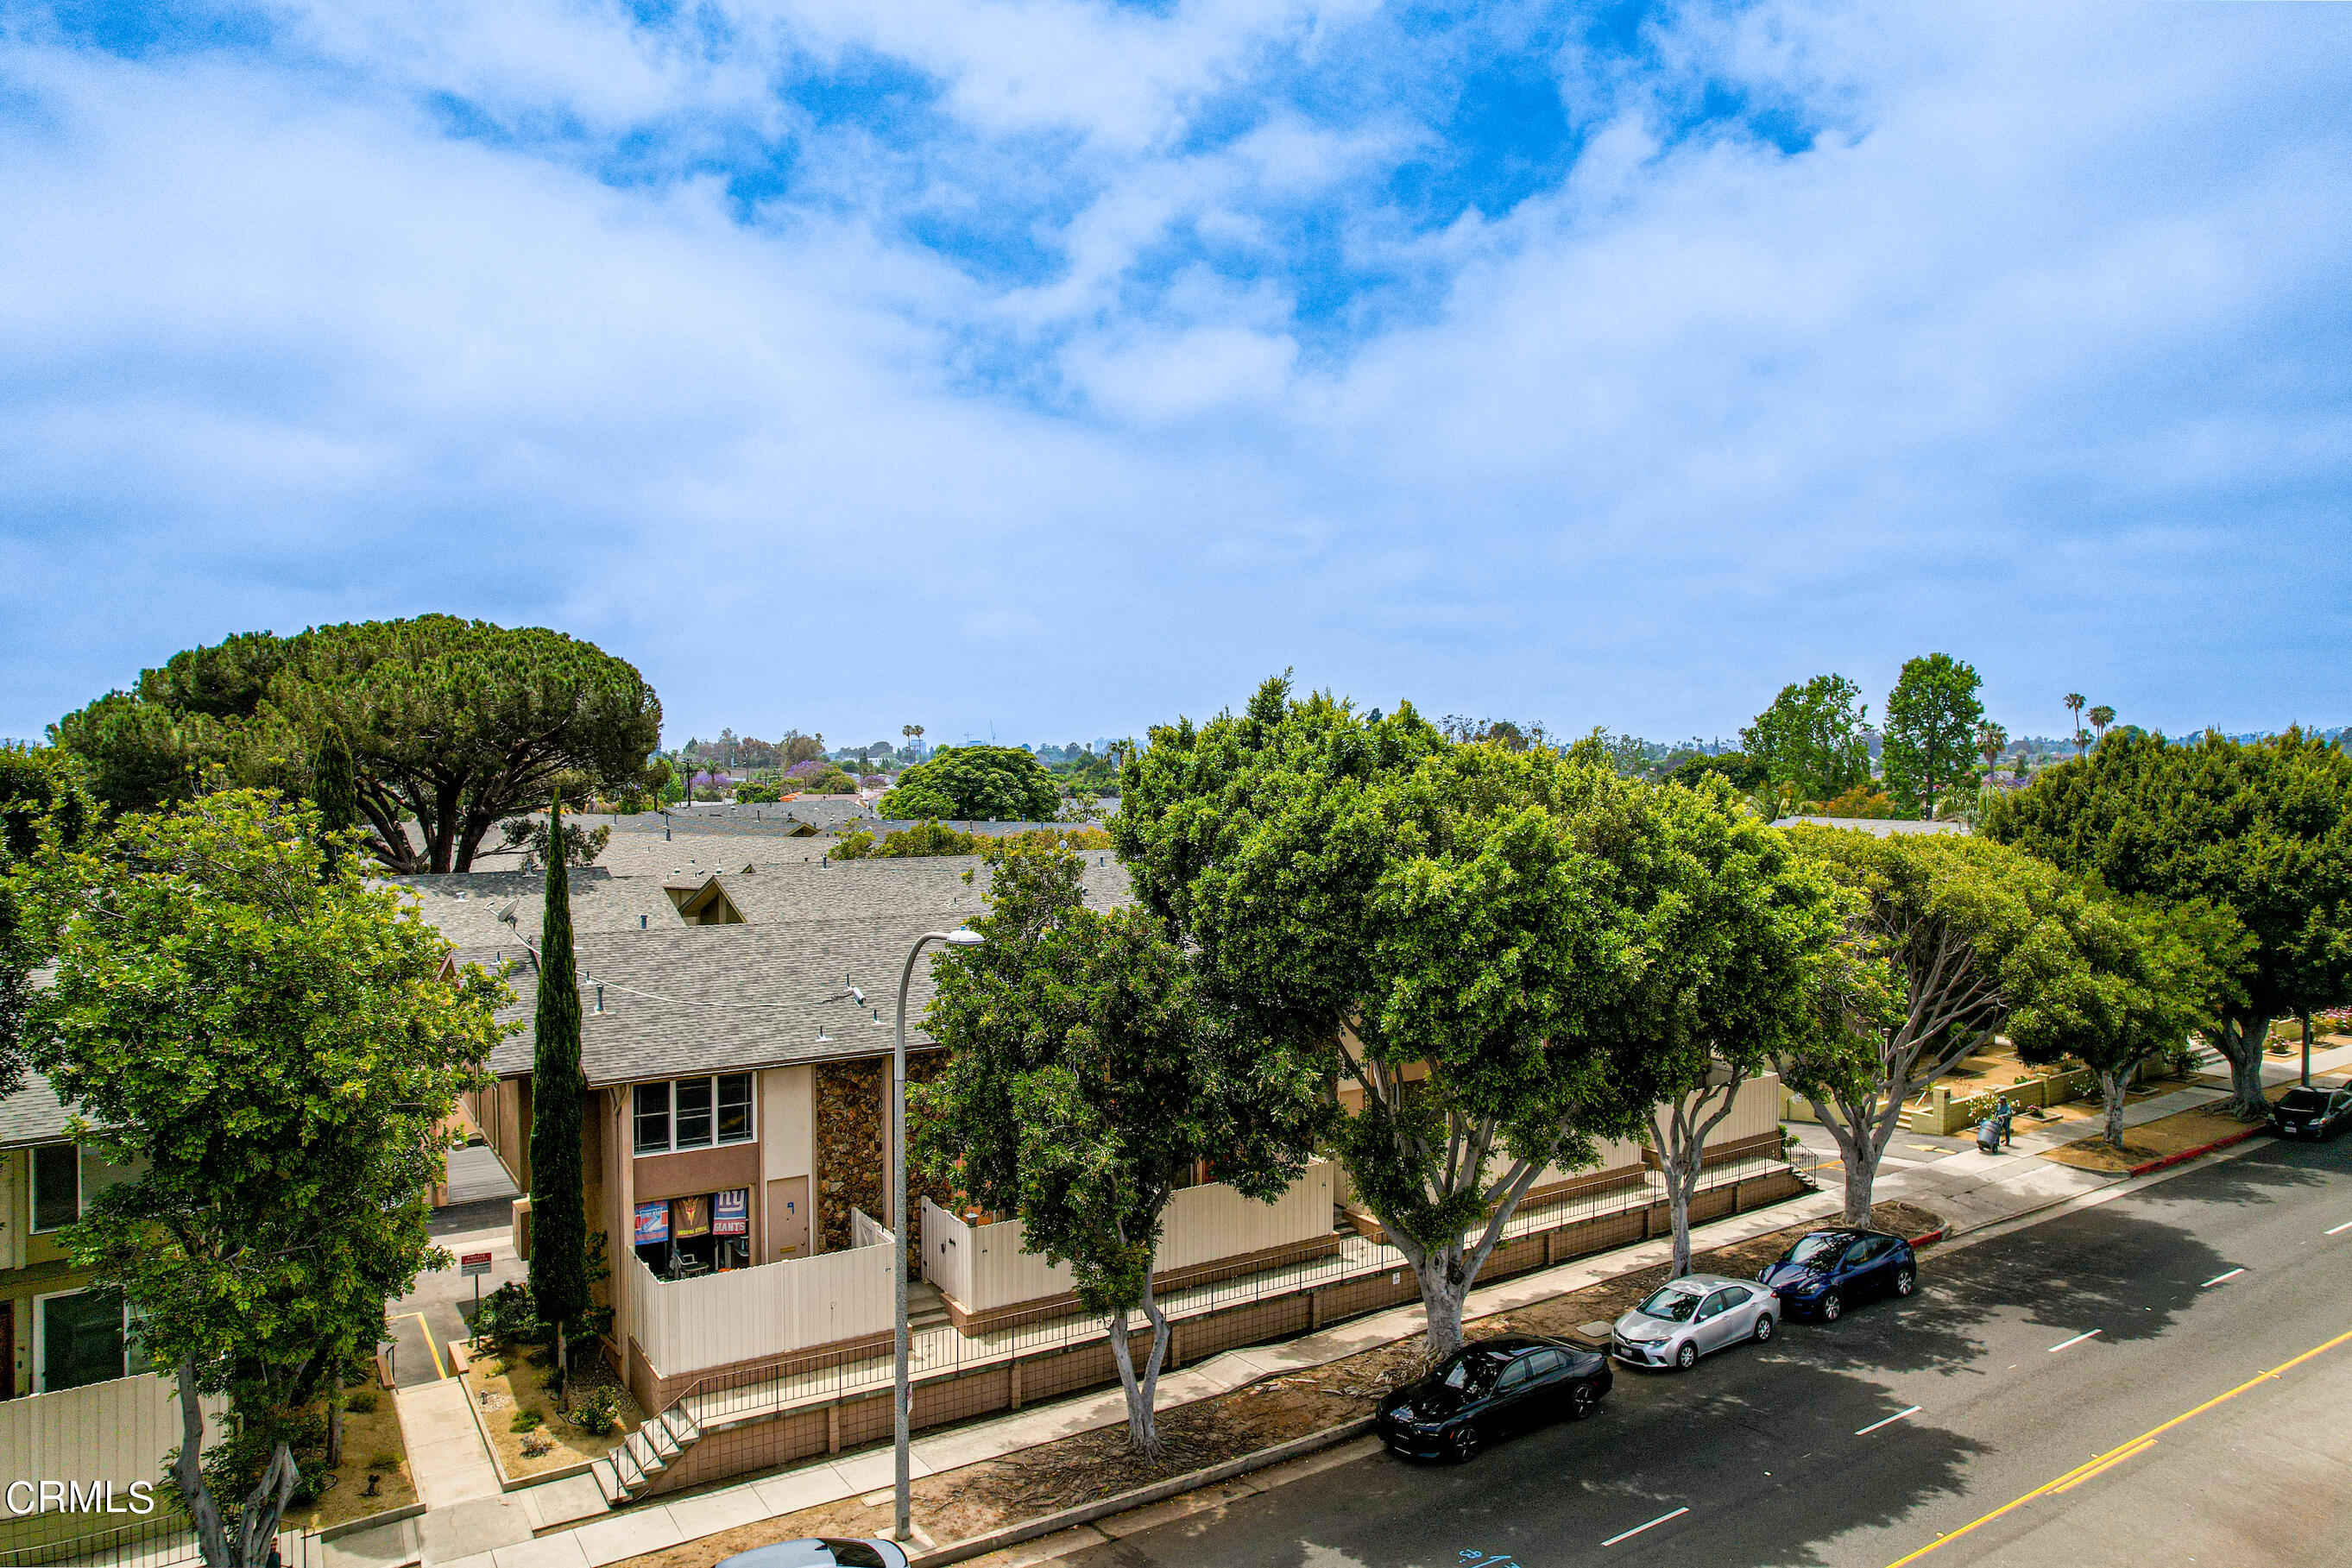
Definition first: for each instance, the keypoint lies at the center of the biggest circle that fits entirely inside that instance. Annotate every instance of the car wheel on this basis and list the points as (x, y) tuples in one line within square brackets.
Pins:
[(1580, 1401), (1686, 1356), (1763, 1327), (1906, 1282), (1832, 1306), (1462, 1443)]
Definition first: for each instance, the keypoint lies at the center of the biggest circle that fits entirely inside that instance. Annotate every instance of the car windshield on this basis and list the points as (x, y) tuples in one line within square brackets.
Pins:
[(1673, 1305), (2303, 1100), (1817, 1250), (1472, 1370)]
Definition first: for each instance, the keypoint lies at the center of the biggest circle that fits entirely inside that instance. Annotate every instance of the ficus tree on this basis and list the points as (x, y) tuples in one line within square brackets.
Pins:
[(1486, 941), (452, 725), (1935, 919), (974, 783), (2263, 828), (274, 1053), (1090, 1074)]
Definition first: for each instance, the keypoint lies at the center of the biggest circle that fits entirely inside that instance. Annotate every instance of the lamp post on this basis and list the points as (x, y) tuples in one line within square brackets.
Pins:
[(902, 1393)]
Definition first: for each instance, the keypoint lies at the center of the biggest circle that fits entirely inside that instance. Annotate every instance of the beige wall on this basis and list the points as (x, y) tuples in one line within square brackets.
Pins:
[(788, 1160)]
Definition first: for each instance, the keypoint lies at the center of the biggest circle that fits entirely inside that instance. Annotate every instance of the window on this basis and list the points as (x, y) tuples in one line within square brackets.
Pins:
[(734, 1107), (1714, 1305), (57, 1187), (653, 1118), (694, 1112), (1514, 1376), (693, 1123), (1547, 1362), (1737, 1296), (81, 1339)]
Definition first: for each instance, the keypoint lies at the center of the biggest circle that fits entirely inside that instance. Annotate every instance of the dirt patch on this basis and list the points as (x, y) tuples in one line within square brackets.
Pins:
[(957, 1504), (501, 1383), (2167, 1135), (373, 1444)]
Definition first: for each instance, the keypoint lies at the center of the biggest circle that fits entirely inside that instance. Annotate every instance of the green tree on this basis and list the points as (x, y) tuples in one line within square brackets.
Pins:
[(1992, 741), (2100, 717), (1935, 918), (335, 789), (2117, 984), (1931, 719), (2261, 829), (1811, 741), (46, 809), (275, 1053), (1088, 1078), (974, 784), (559, 1205), (1489, 946), (2074, 719), (452, 725)]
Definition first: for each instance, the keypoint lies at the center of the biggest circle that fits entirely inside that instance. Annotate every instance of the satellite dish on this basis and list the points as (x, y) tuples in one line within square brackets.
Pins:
[(507, 915)]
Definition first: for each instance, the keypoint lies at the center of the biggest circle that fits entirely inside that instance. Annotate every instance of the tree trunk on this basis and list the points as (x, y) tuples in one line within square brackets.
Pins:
[(2112, 1085), (2240, 1043), (1443, 1289), (187, 1471), (257, 1534), (1678, 1202), (335, 1430), (1861, 1176), (1143, 1389)]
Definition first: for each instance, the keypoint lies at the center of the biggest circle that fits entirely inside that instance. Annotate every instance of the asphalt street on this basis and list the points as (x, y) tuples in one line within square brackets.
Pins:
[(2162, 1378)]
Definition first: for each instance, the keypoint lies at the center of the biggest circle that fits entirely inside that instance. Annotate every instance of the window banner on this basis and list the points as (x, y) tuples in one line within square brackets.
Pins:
[(734, 1213), (653, 1222), (692, 1216)]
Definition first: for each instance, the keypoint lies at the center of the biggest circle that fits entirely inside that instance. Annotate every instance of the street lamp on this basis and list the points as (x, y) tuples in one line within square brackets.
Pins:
[(902, 1397)]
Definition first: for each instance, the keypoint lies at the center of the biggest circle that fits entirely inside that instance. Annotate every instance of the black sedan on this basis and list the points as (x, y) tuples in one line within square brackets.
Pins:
[(1829, 1270), (1489, 1389), (2308, 1112), (821, 1552)]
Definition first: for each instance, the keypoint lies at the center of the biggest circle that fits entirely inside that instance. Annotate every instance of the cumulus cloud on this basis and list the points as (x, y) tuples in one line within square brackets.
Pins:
[(1055, 364)]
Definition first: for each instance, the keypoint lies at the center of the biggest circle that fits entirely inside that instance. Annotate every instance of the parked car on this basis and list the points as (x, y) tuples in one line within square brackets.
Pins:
[(1489, 1389), (1687, 1318), (814, 1552), (1829, 1270), (2307, 1113)]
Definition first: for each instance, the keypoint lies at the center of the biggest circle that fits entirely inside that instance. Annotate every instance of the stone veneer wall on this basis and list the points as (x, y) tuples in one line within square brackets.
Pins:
[(852, 1119)]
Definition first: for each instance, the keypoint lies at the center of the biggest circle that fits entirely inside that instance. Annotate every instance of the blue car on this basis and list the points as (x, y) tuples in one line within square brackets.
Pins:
[(1829, 1270)]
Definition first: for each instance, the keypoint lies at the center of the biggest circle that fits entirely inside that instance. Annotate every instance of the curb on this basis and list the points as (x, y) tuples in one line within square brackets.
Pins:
[(1929, 1239), (2187, 1155), (1158, 1491)]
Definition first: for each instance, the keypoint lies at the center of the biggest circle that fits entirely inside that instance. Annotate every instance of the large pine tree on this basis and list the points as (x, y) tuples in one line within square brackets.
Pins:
[(558, 1219)]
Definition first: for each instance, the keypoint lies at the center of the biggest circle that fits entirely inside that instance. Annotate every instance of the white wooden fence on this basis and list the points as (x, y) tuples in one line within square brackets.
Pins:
[(743, 1314), (865, 1230), (117, 1431), (985, 1267)]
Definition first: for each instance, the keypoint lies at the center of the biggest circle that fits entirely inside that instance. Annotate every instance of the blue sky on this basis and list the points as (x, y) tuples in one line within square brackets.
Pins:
[(1060, 367)]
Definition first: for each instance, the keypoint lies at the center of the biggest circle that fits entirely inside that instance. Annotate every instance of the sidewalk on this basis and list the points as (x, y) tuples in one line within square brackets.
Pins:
[(1971, 1190)]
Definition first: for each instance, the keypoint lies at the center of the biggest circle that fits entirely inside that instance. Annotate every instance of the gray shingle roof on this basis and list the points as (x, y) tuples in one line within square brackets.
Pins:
[(681, 999), (32, 1115)]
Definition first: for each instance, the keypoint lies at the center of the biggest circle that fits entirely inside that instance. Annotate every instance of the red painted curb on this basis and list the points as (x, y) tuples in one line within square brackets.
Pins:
[(2186, 1155), (1931, 1238)]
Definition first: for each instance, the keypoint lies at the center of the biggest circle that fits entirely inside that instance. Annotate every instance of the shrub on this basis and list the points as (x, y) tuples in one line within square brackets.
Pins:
[(361, 1404), (528, 1418), (508, 1316), (756, 793), (598, 1410), (1859, 801)]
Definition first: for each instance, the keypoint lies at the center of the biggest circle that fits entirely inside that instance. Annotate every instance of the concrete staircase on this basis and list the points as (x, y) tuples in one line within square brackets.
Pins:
[(629, 1471), (926, 1309)]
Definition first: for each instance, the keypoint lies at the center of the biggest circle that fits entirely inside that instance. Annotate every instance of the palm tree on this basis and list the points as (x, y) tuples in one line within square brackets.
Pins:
[(2100, 717), (913, 733), (2074, 708), (1992, 741)]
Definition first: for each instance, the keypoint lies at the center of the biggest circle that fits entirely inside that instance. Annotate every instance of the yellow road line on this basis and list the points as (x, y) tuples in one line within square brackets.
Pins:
[(2122, 1450), (2142, 1446), (438, 1370)]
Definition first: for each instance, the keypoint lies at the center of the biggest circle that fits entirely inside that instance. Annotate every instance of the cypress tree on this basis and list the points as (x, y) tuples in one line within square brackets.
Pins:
[(558, 1220), (335, 787)]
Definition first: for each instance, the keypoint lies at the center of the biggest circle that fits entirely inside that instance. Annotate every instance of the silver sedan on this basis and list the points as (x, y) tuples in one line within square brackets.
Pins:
[(1685, 1319)]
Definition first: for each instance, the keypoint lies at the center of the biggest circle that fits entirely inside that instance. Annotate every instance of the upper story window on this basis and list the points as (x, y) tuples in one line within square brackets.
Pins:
[(57, 1186), (693, 1112)]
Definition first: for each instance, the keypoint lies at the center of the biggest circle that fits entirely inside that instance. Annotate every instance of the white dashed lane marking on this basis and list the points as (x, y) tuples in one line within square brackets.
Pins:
[(1639, 1528), (2078, 1339)]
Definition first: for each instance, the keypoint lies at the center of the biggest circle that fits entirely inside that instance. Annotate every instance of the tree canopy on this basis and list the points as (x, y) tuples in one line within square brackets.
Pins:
[(1931, 724), (275, 1051), (1498, 949), (46, 808), (451, 724), (1088, 1079), (2263, 828), (974, 784), (1811, 742)]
